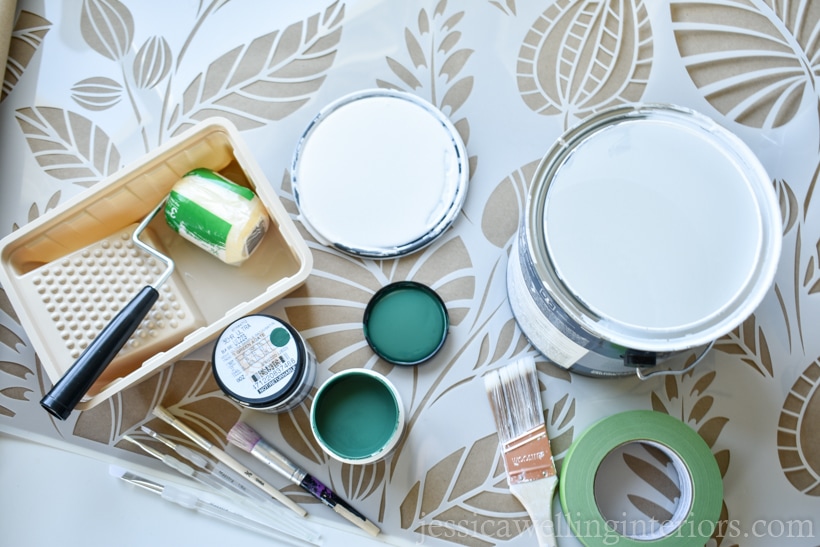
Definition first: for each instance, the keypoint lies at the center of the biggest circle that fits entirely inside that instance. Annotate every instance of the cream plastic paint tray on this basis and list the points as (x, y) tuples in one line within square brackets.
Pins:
[(67, 272)]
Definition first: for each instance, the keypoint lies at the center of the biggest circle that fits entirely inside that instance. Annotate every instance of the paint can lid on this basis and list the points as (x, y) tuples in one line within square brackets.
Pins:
[(406, 323), (259, 361), (379, 174)]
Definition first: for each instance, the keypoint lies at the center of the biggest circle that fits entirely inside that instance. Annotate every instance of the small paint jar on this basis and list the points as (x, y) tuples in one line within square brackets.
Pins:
[(263, 363), (357, 416), (406, 323)]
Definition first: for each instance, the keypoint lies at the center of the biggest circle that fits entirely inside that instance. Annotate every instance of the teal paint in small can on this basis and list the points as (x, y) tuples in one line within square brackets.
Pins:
[(357, 416)]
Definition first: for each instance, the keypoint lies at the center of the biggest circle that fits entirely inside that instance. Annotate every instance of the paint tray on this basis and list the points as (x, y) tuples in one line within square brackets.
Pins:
[(69, 271)]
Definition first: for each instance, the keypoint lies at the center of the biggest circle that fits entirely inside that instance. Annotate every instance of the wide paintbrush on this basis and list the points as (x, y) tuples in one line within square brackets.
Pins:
[(515, 399)]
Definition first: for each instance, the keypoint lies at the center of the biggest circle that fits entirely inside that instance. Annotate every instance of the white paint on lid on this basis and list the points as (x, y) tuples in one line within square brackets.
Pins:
[(379, 173), (654, 224)]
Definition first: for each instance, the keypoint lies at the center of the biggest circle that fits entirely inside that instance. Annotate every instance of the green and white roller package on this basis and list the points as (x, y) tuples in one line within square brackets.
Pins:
[(217, 215)]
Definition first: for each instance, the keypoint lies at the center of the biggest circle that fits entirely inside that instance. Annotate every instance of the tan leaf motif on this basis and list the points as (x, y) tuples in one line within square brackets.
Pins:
[(107, 27), (671, 388), (26, 38), (753, 70), (340, 285), (582, 56), (806, 263), (703, 383), (34, 210), (68, 146), (186, 388), (789, 208), (507, 6), (294, 427), (17, 393), (749, 342), (268, 79), (15, 369), (434, 65), (503, 210), (723, 459), (649, 508), (9, 338), (701, 407), (654, 468), (97, 93), (362, 481), (798, 432), (711, 429), (460, 488), (153, 62), (559, 426), (6, 307), (686, 397), (496, 347), (723, 527)]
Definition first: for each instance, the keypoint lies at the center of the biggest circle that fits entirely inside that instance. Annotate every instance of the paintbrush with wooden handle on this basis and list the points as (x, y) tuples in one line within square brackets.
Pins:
[(519, 416)]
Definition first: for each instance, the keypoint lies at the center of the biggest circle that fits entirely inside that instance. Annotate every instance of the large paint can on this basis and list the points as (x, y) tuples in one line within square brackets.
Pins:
[(648, 231)]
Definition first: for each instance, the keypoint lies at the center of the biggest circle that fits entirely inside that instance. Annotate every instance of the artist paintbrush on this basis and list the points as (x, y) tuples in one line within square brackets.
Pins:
[(519, 416), (227, 459), (246, 438)]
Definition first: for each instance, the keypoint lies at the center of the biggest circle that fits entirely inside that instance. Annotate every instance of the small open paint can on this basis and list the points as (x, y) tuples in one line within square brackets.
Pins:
[(263, 363), (406, 323), (649, 231), (379, 174), (357, 416)]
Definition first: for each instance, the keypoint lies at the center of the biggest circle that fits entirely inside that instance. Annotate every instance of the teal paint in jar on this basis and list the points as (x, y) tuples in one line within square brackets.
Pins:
[(263, 363), (357, 416)]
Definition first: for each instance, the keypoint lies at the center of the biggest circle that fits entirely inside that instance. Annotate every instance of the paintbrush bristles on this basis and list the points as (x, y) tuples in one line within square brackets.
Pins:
[(515, 398), (243, 436)]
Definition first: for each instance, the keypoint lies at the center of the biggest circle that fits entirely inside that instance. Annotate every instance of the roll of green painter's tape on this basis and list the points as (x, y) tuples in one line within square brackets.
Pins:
[(701, 486)]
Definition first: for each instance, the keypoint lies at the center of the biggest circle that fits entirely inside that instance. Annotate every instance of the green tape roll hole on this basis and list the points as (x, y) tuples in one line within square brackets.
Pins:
[(701, 484)]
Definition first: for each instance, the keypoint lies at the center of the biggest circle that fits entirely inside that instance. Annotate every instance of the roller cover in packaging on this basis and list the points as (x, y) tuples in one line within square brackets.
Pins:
[(217, 215)]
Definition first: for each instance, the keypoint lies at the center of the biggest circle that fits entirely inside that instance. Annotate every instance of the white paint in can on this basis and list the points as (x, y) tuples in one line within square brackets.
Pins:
[(648, 229)]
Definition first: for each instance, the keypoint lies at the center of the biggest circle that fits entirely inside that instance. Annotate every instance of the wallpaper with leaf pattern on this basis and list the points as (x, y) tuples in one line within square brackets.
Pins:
[(90, 86)]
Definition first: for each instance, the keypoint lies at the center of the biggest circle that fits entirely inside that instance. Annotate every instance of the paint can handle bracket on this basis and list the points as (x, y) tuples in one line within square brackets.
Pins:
[(680, 372)]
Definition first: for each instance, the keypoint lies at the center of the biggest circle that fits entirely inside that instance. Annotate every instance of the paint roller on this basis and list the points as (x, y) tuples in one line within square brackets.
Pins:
[(217, 215)]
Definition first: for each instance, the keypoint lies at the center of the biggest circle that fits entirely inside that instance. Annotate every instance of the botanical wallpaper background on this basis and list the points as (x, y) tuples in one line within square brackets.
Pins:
[(92, 86)]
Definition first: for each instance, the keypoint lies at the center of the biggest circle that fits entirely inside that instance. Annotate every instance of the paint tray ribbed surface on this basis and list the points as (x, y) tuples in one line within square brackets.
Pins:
[(67, 272), (74, 297)]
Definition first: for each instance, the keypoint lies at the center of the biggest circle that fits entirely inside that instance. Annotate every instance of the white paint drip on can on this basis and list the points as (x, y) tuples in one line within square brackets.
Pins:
[(648, 231), (379, 173)]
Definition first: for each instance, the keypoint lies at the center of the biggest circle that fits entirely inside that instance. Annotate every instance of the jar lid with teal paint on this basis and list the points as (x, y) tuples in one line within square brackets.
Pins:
[(263, 363), (406, 323)]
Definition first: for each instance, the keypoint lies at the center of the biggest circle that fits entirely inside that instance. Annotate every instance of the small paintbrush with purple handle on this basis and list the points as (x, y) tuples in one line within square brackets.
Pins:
[(246, 438)]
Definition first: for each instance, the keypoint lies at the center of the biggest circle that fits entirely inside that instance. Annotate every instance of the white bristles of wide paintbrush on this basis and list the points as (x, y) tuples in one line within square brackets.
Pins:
[(515, 399)]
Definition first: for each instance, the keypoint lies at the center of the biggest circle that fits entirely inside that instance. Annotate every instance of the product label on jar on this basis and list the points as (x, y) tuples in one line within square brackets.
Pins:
[(256, 357)]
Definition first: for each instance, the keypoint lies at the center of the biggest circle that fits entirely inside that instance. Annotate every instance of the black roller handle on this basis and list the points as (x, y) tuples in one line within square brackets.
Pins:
[(78, 379)]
